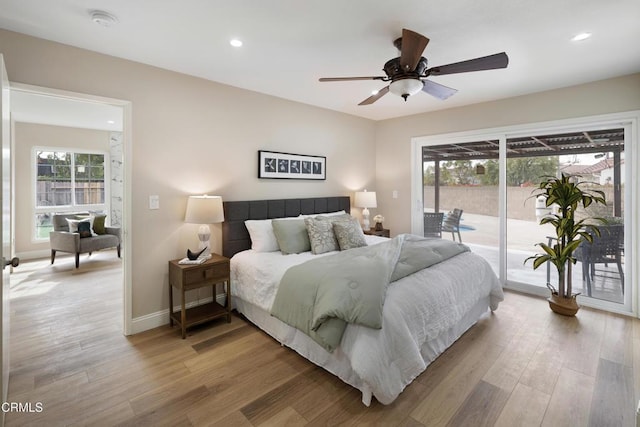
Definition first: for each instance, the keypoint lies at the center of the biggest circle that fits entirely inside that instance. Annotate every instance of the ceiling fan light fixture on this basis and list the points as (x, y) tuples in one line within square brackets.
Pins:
[(406, 87)]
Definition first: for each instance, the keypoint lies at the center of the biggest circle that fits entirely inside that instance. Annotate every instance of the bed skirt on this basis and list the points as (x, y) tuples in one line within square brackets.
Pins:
[(337, 362)]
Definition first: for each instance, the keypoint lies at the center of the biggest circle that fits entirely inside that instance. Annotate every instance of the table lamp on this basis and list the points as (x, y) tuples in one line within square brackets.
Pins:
[(365, 199), (204, 210)]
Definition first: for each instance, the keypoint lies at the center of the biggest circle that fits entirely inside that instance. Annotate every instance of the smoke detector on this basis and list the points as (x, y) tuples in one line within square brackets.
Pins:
[(103, 18)]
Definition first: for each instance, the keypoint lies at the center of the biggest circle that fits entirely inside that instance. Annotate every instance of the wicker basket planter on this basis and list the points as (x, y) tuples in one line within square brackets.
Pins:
[(564, 306)]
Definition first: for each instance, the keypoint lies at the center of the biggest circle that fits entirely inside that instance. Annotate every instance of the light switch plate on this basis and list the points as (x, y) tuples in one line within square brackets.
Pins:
[(154, 202)]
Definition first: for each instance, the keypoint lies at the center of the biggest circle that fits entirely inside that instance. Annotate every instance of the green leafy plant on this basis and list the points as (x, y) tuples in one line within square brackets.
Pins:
[(568, 194)]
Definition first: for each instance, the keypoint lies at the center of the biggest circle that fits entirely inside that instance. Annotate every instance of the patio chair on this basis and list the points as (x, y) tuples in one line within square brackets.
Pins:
[(605, 249), (433, 224), (451, 223)]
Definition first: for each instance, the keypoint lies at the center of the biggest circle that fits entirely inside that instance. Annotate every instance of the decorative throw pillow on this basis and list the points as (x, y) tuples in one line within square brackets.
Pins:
[(84, 228), (321, 235), (291, 235), (98, 223), (349, 234), (75, 223)]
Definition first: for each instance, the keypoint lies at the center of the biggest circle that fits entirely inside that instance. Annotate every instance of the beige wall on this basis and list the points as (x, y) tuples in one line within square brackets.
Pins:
[(27, 136), (192, 136), (393, 137)]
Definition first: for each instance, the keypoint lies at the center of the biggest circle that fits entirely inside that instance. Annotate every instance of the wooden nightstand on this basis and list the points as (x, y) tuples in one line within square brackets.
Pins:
[(193, 276), (382, 233)]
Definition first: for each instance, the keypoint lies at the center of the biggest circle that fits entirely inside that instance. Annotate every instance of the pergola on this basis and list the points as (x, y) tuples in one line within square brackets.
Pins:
[(585, 142)]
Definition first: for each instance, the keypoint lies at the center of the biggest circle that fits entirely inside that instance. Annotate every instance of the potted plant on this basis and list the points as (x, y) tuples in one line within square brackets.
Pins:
[(567, 194)]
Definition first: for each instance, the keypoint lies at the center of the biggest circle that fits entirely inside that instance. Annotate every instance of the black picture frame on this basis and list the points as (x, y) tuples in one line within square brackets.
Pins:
[(276, 165)]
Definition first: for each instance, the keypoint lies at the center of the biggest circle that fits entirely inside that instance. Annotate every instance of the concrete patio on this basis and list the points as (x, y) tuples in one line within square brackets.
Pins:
[(481, 233)]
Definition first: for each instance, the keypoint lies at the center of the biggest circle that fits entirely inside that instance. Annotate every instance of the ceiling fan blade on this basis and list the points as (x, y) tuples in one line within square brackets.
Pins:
[(436, 89), (491, 62), (413, 44), (344, 79), (373, 98)]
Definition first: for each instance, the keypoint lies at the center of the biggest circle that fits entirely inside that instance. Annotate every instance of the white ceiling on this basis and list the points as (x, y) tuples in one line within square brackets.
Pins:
[(32, 107), (289, 44)]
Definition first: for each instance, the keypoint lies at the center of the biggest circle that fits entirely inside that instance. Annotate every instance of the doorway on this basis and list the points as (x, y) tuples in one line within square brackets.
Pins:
[(53, 107)]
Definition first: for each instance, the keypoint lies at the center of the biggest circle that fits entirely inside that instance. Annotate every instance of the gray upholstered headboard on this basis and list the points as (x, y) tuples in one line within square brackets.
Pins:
[(235, 237)]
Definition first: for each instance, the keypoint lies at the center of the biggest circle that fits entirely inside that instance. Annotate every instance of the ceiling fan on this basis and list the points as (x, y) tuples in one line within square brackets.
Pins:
[(408, 72)]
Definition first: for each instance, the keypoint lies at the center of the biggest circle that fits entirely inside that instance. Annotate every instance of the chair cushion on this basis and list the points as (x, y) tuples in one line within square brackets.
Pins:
[(104, 241)]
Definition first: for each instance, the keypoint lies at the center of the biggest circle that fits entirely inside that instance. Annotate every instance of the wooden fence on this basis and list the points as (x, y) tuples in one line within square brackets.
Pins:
[(60, 193)]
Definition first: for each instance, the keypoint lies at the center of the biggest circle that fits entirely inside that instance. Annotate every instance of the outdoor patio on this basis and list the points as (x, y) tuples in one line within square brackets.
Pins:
[(481, 234)]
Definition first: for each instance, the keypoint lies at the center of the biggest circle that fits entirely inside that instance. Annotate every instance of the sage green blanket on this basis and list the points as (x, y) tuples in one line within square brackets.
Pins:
[(319, 297)]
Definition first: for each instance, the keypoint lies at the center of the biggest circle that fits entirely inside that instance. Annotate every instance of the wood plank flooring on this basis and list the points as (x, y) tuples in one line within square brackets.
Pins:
[(521, 366)]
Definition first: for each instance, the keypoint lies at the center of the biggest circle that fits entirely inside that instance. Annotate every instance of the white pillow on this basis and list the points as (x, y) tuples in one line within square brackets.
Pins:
[(262, 237), (336, 213)]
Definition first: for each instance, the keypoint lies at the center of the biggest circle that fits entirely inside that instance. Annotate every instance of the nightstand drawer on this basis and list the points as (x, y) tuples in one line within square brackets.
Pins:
[(208, 273)]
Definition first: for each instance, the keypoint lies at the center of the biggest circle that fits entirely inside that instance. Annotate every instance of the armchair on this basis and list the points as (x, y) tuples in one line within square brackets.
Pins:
[(61, 239)]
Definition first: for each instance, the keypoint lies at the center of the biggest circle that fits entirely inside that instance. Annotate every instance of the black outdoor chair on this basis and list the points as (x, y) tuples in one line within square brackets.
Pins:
[(433, 224), (605, 249), (451, 223)]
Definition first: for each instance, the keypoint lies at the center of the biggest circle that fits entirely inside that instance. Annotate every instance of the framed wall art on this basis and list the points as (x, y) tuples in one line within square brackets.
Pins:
[(276, 165)]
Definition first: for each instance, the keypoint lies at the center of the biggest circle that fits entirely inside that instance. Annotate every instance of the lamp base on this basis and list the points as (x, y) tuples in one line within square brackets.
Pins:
[(366, 225), (204, 236)]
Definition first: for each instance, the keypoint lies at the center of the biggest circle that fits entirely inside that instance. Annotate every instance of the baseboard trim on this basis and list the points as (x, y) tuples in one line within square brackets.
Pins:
[(161, 318), (38, 254)]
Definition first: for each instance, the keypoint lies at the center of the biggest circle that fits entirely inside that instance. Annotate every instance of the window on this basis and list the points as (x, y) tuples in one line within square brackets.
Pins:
[(66, 181)]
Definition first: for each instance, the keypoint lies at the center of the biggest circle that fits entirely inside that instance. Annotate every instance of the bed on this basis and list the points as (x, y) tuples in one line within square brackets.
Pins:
[(423, 313)]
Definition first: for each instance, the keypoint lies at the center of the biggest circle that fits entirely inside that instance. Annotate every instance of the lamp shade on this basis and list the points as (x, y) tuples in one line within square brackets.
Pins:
[(366, 199), (204, 210)]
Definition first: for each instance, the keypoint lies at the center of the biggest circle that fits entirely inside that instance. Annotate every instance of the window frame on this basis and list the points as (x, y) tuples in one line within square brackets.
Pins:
[(35, 210)]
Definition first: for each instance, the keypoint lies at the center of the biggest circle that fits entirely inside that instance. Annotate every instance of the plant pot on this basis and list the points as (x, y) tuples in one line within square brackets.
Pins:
[(564, 306)]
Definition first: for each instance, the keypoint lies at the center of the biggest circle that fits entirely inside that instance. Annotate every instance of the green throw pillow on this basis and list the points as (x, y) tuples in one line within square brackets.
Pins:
[(98, 224), (291, 235)]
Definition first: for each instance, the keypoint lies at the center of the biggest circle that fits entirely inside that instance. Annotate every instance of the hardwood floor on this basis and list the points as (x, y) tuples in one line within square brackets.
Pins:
[(522, 365)]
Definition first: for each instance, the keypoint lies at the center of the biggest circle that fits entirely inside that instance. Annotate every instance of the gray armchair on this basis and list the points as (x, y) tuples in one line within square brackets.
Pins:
[(64, 241)]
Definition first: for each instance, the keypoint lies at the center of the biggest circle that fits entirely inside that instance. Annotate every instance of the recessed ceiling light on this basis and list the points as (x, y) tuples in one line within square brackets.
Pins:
[(111, 122), (235, 42), (103, 18), (580, 37)]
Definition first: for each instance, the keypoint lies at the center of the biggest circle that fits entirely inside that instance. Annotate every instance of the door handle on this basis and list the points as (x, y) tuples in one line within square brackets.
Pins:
[(14, 262)]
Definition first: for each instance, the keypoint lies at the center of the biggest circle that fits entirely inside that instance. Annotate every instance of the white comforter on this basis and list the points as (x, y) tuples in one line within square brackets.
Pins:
[(421, 316)]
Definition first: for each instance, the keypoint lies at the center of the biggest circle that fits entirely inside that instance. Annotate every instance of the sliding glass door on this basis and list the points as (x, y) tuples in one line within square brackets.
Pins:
[(596, 160), (491, 176), (465, 177)]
